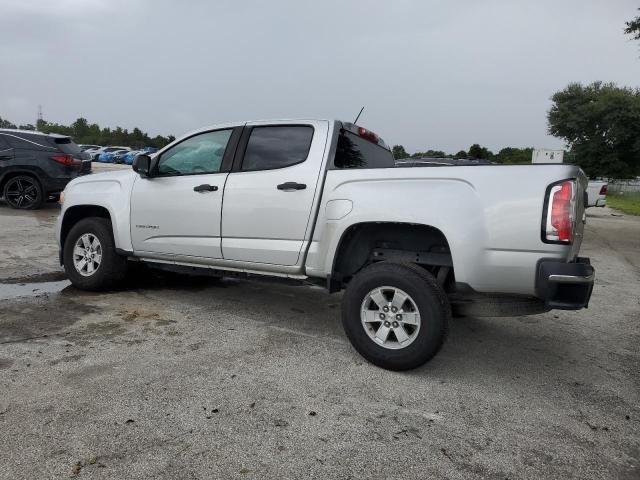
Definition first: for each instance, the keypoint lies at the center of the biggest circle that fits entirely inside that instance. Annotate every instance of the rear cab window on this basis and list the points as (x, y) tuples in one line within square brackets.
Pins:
[(360, 148)]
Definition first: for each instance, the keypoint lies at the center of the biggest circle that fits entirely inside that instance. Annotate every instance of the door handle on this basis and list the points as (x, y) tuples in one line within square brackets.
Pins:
[(205, 187), (289, 186)]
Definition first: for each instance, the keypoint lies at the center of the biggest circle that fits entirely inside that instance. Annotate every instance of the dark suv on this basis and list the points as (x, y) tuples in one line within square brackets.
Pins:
[(35, 166)]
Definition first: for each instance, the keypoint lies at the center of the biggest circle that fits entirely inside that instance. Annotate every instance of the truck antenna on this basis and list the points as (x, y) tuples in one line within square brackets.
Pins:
[(359, 114)]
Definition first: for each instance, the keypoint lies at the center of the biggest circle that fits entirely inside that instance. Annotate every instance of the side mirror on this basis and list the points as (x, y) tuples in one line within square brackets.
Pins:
[(142, 164)]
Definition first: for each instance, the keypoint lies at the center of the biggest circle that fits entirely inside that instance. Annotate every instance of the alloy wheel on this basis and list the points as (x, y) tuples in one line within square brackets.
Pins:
[(390, 317), (87, 254), (21, 193)]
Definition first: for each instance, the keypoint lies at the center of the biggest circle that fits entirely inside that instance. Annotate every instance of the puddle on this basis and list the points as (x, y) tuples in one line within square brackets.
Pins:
[(17, 290)]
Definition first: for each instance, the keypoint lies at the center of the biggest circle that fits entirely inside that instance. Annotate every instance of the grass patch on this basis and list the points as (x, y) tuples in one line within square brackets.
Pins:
[(628, 202)]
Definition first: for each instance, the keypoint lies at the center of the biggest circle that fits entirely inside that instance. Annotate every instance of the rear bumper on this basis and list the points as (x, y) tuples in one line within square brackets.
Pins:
[(54, 185), (565, 286)]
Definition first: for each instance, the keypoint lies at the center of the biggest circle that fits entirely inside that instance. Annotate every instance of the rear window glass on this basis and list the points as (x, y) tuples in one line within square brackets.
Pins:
[(277, 147), (66, 145), (356, 152)]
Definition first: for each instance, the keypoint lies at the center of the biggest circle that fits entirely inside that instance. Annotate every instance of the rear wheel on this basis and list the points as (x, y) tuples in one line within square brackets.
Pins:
[(395, 315), (23, 192), (90, 258)]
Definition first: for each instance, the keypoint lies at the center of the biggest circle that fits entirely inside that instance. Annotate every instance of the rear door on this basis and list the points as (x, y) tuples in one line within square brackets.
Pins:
[(270, 194), (6, 152)]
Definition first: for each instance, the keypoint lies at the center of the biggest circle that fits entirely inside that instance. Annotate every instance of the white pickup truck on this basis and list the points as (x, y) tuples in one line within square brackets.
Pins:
[(597, 193), (323, 201)]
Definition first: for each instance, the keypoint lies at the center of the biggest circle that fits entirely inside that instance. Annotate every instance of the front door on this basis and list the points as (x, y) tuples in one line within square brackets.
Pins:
[(177, 210), (270, 194)]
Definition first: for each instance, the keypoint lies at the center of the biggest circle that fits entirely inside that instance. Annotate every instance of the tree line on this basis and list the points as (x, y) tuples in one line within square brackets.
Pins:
[(84, 132), (508, 155)]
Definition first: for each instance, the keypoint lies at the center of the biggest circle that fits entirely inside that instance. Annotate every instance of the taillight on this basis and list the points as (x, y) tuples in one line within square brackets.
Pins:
[(561, 212), (66, 160), (368, 134), (603, 189)]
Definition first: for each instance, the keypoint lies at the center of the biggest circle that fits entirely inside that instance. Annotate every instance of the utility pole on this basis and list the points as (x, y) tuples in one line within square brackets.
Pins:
[(39, 114)]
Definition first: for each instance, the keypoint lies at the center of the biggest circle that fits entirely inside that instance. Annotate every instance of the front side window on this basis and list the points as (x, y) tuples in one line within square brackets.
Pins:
[(277, 147), (201, 153)]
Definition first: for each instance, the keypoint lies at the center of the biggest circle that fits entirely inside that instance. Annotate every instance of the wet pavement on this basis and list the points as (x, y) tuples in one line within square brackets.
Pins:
[(176, 377)]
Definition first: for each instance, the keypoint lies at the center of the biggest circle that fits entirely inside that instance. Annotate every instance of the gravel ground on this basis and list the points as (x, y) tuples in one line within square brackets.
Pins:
[(178, 378)]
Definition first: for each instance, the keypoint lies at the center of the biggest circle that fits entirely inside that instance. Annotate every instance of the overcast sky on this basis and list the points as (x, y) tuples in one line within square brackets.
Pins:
[(432, 74)]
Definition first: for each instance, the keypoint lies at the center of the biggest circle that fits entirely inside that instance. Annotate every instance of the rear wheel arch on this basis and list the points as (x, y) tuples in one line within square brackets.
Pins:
[(17, 173), (421, 244), (11, 171)]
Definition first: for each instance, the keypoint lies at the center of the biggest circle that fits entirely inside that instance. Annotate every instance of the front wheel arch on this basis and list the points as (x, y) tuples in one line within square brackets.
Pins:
[(76, 213), (112, 268)]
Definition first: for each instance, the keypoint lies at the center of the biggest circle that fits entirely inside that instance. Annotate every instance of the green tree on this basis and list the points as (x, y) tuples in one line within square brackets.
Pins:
[(399, 152), (514, 155), (6, 123), (476, 151), (84, 132), (633, 28), (460, 154), (601, 124), (80, 128)]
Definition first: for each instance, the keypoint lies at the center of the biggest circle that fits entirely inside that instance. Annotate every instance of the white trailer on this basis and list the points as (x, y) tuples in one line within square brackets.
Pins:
[(546, 155)]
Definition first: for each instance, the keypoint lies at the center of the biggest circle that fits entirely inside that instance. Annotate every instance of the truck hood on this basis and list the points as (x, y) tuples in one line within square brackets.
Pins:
[(115, 175)]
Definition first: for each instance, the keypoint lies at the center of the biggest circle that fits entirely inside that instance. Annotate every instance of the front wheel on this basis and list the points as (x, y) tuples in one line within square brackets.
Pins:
[(395, 315), (90, 258)]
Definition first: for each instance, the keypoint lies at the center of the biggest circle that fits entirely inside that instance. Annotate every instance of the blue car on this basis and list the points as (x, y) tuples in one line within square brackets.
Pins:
[(118, 157), (101, 154), (129, 157)]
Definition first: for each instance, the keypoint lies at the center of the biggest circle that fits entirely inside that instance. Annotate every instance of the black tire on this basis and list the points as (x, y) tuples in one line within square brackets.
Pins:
[(23, 192), (429, 298), (113, 267)]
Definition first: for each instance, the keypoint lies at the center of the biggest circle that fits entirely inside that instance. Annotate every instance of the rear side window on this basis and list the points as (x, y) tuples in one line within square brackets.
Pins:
[(30, 142), (356, 152), (277, 146)]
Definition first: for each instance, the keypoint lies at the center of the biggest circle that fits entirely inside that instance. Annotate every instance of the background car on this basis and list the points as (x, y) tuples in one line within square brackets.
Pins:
[(129, 157), (108, 157), (95, 155), (118, 156), (597, 193), (86, 148), (35, 166)]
